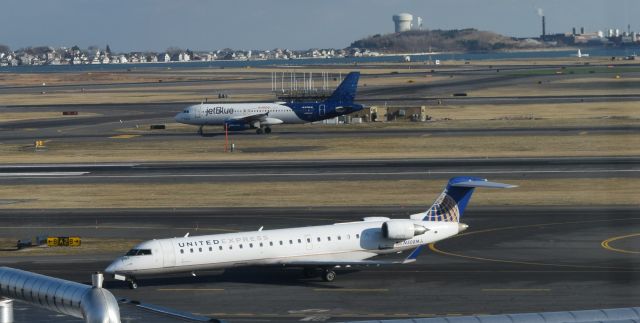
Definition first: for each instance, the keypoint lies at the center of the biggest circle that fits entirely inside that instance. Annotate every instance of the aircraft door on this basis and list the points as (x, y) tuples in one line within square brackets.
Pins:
[(168, 253), (321, 110), (308, 240), (199, 112)]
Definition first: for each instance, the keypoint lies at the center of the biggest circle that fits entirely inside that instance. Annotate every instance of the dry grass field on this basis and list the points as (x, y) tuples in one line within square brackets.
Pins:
[(580, 191)]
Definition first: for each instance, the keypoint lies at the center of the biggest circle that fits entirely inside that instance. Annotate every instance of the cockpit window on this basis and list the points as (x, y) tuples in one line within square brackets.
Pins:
[(186, 111), (138, 252)]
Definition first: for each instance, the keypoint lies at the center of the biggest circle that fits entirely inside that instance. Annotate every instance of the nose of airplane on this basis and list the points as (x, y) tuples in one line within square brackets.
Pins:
[(178, 117), (462, 227), (113, 267)]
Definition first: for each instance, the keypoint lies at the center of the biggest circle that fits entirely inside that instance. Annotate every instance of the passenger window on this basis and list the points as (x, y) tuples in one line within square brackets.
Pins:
[(271, 243), (328, 238), (191, 250), (181, 250), (280, 242), (318, 239), (290, 241), (299, 241), (357, 235), (220, 247), (230, 247), (240, 246), (260, 244), (251, 245), (200, 249), (339, 238), (308, 239), (210, 248), (348, 236)]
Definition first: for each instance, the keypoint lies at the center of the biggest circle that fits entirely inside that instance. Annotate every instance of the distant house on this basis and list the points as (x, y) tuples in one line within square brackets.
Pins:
[(184, 57), (165, 58)]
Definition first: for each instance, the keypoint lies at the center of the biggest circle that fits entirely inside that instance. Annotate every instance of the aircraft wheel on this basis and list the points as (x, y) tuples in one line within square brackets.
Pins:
[(309, 272), (133, 284), (267, 130), (200, 132), (259, 131), (328, 275)]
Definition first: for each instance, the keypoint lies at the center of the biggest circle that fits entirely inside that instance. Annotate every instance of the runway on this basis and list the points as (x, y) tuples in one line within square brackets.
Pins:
[(512, 259), (320, 170)]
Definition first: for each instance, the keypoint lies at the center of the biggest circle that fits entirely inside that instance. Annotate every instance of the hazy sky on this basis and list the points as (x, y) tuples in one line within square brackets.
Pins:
[(296, 24)]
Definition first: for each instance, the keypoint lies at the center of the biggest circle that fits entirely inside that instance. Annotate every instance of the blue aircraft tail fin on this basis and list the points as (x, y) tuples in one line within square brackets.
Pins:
[(450, 205), (346, 91)]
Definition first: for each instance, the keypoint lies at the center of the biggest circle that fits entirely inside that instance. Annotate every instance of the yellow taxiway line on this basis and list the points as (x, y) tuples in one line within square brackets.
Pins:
[(606, 244)]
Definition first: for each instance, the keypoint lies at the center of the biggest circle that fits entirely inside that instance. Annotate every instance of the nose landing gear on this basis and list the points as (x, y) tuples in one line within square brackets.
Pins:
[(133, 284)]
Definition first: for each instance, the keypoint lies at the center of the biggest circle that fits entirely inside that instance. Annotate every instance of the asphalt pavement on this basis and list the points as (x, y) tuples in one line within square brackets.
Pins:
[(512, 259)]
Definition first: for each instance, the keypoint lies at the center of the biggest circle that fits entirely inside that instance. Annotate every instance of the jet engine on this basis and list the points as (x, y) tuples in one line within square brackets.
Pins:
[(237, 126), (401, 229)]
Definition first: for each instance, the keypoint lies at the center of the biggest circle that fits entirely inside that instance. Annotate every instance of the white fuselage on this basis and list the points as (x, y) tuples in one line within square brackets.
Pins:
[(218, 114), (331, 243)]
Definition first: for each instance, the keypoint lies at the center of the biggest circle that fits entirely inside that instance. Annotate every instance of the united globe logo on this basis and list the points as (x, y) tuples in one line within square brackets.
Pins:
[(445, 209)]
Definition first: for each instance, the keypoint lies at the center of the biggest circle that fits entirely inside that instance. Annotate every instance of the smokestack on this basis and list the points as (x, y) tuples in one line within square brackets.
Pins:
[(581, 30), (574, 31), (544, 30)]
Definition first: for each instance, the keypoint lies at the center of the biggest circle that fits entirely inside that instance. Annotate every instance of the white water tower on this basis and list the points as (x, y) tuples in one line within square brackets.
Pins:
[(402, 22)]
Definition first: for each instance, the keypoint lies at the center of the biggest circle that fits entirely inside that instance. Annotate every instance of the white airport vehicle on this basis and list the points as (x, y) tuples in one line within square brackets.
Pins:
[(324, 247), (261, 116)]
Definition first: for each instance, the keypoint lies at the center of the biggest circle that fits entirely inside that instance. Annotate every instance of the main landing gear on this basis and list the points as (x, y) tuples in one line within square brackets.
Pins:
[(266, 130), (200, 132), (327, 274)]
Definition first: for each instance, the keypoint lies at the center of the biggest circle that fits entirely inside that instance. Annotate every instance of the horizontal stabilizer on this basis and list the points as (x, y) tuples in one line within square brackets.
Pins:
[(486, 184)]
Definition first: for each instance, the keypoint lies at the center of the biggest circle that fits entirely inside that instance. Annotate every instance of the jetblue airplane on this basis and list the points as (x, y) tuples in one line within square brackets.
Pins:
[(261, 116), (324, 247)]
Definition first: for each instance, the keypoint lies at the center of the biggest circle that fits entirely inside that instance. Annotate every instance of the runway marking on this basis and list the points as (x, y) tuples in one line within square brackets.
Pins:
[(124, 136), (116, 228), (510, 271), (325, 314), (43, 174), (605, 244), (432, 246), (596, 171), (516, 290), (355, 290), (70, 165), (190, 289)]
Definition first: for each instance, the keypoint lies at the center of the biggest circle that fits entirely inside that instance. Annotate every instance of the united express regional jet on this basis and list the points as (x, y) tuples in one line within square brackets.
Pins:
[(312, 248), (261, 116)]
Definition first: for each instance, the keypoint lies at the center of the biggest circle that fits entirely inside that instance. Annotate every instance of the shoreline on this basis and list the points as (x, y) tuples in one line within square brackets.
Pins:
[(541, 53)]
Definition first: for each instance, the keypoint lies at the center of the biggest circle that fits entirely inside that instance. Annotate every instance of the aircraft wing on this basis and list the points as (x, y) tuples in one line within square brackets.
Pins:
[(356, 262), (322, 263), (251, 118), (256, 119)]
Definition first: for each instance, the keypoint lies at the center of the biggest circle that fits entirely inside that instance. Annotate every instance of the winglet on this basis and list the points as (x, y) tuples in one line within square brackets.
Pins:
[(413, 256)]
